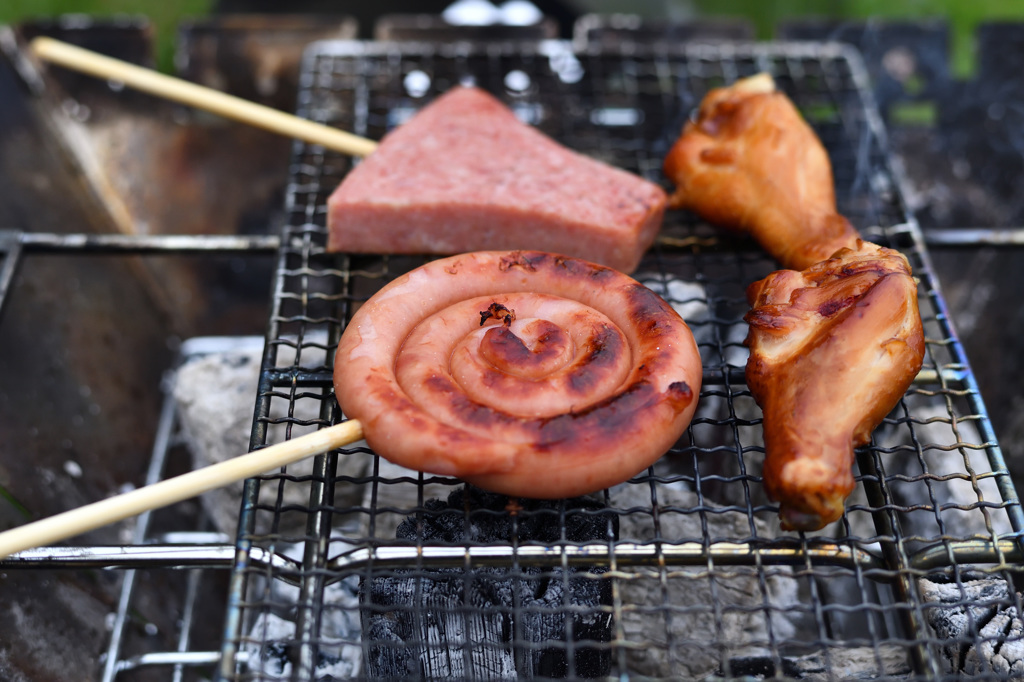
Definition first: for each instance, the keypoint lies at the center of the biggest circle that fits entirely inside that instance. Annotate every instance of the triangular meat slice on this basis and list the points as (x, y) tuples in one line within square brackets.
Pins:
[(465, 174)]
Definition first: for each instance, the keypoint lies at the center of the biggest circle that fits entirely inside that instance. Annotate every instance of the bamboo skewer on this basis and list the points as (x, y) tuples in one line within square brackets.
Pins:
[(92, 516), (200, 97)]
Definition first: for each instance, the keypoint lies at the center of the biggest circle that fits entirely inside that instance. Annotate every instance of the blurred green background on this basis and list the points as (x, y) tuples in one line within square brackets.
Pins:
[(163, 14), (963, 15)]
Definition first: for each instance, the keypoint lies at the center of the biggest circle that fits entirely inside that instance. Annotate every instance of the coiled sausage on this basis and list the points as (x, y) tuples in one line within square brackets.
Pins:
[(522, 372)]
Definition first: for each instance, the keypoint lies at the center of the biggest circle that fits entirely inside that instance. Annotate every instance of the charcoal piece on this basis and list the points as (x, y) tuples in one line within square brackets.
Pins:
[(213, 391), (490, 520), (699, 620), (492, 623), (838, 663), (421, 629), (978, 619)]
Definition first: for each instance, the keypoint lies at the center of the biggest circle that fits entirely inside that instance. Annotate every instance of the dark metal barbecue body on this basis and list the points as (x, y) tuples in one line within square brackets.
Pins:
[(694, 577), (679, 573)]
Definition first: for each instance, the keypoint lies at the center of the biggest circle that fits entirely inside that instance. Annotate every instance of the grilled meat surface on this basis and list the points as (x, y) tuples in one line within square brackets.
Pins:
[(465, 174), (585, 381), (832, 350), (749, 162)]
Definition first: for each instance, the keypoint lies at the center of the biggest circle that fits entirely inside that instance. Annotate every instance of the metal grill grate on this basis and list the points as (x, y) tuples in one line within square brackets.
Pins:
[(681, 572)]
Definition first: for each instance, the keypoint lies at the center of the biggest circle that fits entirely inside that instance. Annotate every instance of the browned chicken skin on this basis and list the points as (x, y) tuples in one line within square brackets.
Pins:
[(749, 162), (832, 350)]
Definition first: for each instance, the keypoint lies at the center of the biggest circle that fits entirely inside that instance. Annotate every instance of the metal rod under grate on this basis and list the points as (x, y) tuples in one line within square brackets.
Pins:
[(681, 572)]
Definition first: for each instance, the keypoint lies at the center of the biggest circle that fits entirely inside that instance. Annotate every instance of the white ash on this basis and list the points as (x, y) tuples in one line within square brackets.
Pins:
[(1001, 650), (979, 619), (399, 489), (947, 484), (888, 661), (215, 392), (689, 299), (858, 663), (268, 644), (947, 463), (848, 664), (271, 650), (748, 617), (960, 611), (271, 647), (212, 392), (736, 352)]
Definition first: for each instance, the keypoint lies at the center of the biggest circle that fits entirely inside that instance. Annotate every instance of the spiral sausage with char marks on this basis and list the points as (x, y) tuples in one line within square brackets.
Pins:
[(522, 372)]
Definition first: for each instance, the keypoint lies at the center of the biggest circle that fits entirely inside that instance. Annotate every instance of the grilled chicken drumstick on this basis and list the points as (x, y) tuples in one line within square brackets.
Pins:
[(749, 162), (832, 350)]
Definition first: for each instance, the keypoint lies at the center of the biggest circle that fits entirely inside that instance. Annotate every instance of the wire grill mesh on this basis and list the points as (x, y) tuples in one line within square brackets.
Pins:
[(680, 573)]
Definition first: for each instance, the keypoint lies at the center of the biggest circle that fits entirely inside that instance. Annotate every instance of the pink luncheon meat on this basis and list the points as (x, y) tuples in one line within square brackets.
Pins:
[(465, 174)]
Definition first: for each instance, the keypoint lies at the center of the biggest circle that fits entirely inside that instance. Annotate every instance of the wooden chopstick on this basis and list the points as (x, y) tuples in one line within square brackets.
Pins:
[(207, 99), (92, 516)]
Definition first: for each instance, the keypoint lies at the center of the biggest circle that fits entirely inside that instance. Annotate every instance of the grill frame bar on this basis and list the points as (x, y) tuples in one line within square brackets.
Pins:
[(903, 563)]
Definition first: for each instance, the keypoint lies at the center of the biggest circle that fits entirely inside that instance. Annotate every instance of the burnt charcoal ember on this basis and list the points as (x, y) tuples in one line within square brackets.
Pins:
[(979, 620), (272, 646), (856, 663), (492, 623), (705, 618)]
